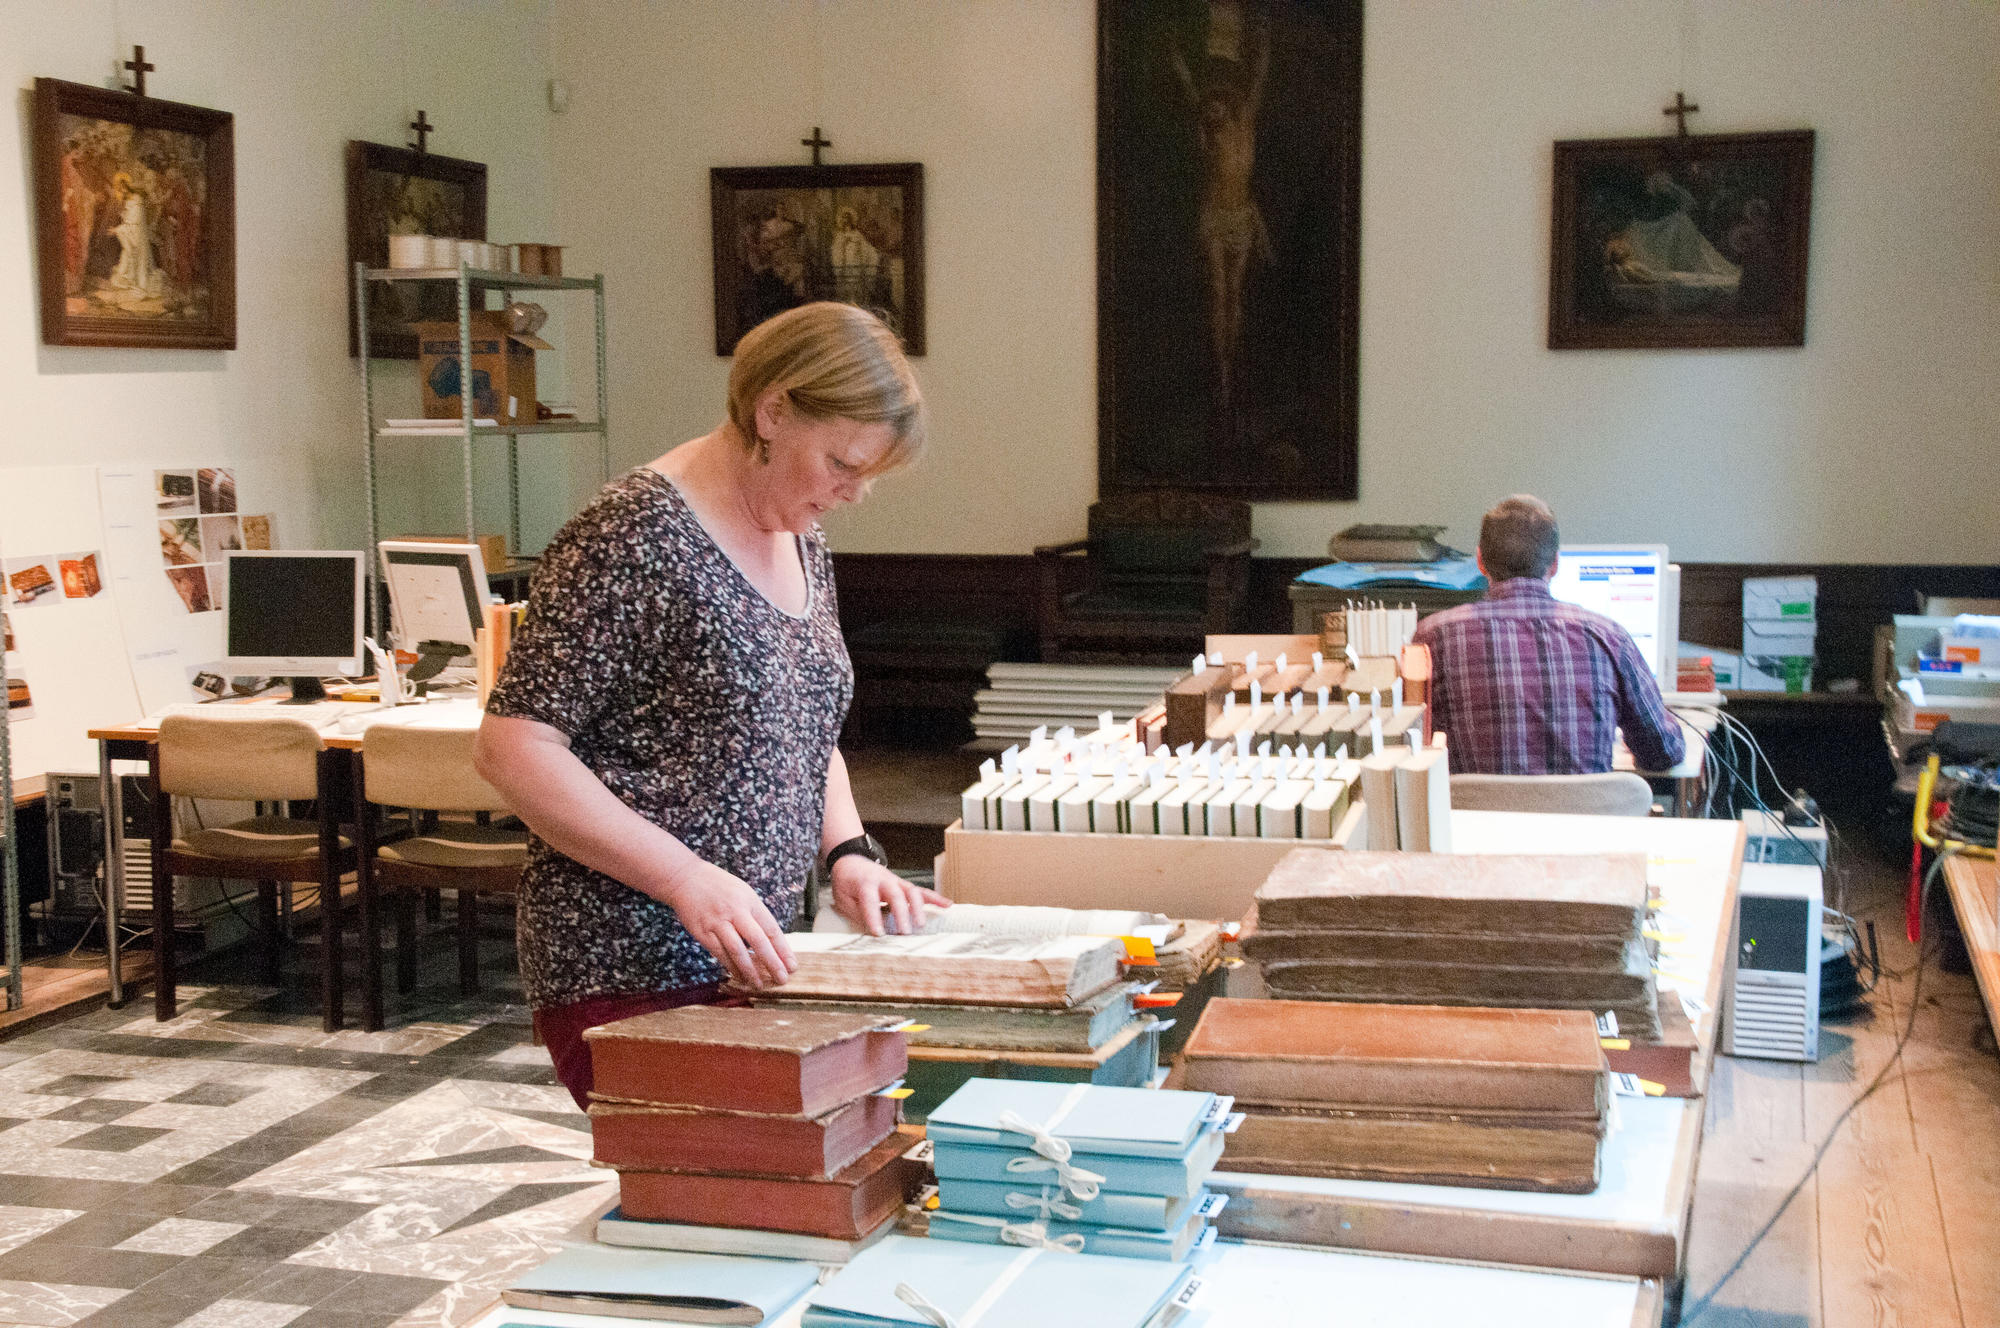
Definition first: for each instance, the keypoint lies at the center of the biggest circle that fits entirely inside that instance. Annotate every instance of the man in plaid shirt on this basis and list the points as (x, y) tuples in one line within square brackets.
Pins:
[(1524, 684)]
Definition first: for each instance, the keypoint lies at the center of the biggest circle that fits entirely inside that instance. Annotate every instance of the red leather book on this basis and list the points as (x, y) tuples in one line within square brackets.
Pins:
[(675, 1139), (845, 1206), (726, 1058)]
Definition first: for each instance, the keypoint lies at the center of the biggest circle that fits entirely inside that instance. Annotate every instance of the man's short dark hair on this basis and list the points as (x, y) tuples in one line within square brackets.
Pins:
[(1518, 537)]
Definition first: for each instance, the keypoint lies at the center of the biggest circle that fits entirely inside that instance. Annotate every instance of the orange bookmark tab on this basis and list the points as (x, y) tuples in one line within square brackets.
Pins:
[(1139, 950)]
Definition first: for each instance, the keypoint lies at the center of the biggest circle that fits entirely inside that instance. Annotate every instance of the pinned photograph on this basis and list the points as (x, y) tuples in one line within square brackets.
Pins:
[(191, 584), (6, 634), (216, 490), (20, 701), (81, 577), (256, 532), (218, 585), (180, 541), (220, 534), (33, 581), (173, 491)]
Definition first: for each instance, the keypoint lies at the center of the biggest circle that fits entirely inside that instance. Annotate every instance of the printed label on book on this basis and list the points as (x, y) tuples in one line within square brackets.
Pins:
[(1218, 1108), (1627, 1085), (921, 1153), (1212, 1205), (1607, 1024), (1235, 1121)]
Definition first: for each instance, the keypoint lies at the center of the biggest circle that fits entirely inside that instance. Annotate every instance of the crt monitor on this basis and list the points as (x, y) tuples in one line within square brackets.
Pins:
[(437, 599), (296, 614), (1635, 587)]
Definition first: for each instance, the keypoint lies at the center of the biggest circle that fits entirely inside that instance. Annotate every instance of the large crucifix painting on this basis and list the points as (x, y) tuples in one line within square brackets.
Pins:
[(1228, 224)]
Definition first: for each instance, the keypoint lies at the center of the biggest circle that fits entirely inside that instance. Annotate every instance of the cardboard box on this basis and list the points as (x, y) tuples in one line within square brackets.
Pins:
[(1778, 638), (1786, 598), (503, 370), (1923, 716)]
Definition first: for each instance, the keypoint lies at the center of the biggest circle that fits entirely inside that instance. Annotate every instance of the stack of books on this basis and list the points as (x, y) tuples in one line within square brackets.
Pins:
[(1084, 1169), (739, 1131), (1502, 1099), (1054, 1008), (1557, 931)]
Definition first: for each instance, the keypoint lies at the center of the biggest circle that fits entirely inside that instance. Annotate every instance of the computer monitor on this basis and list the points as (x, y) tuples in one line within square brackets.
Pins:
[(296, 614), (437, 599), (1633, 585)]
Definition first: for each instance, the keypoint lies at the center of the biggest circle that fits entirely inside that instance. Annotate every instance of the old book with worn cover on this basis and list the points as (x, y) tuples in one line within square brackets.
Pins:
[(1526, 1152), (963, 969), (845, 1206), (1423, 801), (1551, 894), (614, 1228), (1082, 1027), (1378, 790), (1628, 989), (1319, 1053), (732, 1059), (630, 1135), (1264, 944)]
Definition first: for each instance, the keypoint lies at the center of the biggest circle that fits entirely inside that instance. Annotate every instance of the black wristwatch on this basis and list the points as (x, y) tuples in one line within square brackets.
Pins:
[(863, 844)]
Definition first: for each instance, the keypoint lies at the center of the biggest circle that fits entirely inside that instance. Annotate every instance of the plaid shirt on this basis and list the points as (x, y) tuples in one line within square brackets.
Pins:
[(1525, 684)]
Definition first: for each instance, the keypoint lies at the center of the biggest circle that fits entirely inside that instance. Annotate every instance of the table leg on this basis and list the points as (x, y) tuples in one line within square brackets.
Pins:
[(165, 976), (364, 890), (111, 807)]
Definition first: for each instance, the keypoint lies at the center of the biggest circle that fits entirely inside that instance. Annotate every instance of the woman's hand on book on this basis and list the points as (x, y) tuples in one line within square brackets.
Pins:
[(864, 890), (731, 922)]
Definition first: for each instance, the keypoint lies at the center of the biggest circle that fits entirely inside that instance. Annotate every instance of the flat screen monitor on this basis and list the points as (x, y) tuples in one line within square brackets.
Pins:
[(437, 594), (1632, 585), (296, 614)]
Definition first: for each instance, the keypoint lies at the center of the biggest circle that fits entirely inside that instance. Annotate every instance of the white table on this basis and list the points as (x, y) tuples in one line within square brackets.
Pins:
[(1275, 1286), (1635, 1222)]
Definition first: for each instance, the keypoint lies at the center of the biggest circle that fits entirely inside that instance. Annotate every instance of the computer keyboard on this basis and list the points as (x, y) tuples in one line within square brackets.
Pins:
[(319, 714)]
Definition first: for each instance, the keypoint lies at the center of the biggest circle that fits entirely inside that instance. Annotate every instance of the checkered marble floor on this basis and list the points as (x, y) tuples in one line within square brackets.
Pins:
[(238, 1168)]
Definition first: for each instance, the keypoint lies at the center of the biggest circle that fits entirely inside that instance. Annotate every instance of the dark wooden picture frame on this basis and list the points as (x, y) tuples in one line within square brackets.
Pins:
[(787, 235), (1680, 242), (454, 206), (135, 219), (1228, 307)]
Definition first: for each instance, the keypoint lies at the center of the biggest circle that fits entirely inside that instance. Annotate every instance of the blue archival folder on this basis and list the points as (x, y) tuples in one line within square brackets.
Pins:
[(1165, 1176), (659, 1278), (1444, 574), (1112, 1208), (1044, 1288), (1174, 1243), (1126, 1122)]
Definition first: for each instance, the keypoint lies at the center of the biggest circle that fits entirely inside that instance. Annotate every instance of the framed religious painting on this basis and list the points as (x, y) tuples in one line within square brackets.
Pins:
[(400, 191), (788, 235), (135, 210), (1692, 241), (1228, 246)]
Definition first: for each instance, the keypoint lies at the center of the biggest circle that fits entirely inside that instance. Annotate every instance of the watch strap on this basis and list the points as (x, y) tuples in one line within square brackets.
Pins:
[(863, 844)]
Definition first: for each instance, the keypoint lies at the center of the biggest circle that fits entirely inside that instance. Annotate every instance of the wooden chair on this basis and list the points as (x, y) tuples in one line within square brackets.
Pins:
[(1161, 570), (428, 771), (256, 759), (1617, 793)]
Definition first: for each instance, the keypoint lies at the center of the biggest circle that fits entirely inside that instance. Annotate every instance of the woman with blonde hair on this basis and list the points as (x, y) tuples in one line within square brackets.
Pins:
[(667, 718)]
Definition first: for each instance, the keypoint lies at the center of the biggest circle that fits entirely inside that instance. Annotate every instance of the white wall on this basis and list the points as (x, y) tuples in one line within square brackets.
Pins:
[(1875, 442), (301, 77)]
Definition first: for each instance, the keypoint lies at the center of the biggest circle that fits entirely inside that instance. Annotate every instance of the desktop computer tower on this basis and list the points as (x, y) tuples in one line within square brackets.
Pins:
[(76, 845), (1771, 985)]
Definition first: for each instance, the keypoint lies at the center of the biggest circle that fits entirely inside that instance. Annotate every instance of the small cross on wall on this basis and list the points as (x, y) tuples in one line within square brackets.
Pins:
[(423, 126), (815, 143), (139, 67), (1681, 110)]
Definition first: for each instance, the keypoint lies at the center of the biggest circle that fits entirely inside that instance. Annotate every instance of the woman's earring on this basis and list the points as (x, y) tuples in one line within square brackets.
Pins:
[(763, 450)]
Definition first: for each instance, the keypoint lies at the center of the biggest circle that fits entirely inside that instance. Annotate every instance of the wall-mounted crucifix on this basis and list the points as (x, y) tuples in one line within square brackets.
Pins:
[(139, 67), (815, 143), (423, 126), (1681, 110)]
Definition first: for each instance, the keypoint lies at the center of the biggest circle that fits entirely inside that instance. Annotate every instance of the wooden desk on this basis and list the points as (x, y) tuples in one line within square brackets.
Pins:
[(1635, 1223), (1277, 1286), (1971, 883), (138, 742)]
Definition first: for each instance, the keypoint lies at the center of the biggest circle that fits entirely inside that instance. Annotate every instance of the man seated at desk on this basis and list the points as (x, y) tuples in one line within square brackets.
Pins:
[(1524, 684)]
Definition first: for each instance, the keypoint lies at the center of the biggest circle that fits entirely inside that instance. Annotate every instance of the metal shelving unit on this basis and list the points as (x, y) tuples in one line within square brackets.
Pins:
[(473, 284), (10, 872)]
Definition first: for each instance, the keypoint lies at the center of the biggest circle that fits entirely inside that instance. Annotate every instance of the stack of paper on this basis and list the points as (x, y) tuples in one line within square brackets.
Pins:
[(959, 969), (1509, 1099), (775, 1125), (1081, 1168), (1560, 931), (923, 1283)]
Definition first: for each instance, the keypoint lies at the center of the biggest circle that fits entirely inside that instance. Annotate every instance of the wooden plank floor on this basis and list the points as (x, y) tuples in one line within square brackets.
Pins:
[(57, 985), (1900, 1225)]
